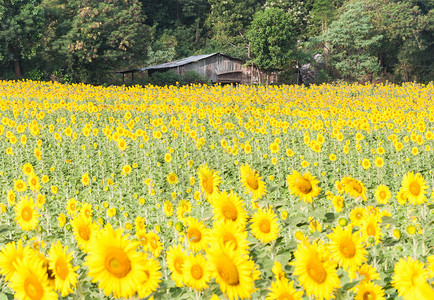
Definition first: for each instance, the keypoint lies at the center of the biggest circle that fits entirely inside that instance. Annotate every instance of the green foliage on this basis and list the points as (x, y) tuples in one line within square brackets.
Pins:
[(408, 42), (106, 36), (354, 43), (228, 21), (271, 38), (21, 24), (87, 40)]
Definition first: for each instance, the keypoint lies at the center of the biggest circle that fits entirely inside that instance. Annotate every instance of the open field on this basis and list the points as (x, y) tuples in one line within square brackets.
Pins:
[(216, 192)]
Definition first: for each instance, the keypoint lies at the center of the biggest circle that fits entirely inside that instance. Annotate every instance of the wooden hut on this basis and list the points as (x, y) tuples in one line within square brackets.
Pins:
[(218, 67)]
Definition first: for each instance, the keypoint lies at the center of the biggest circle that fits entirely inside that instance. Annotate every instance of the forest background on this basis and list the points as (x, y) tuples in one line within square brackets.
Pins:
[(87, 40)]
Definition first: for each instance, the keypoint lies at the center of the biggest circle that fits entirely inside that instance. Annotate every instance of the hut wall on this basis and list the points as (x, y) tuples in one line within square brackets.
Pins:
[(210, 66)]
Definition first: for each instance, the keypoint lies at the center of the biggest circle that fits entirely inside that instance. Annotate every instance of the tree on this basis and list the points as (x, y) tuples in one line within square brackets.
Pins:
[(106, 35), (21, 23), (353, 43), (228, 22), (407, 28), (272, 38)]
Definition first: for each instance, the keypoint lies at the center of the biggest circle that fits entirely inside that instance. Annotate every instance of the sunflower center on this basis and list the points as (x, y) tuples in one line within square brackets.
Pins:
[(26, 214), (359, 216), (208, 185), (370, 230), (196, 272), (357, 187), (117, 263), (316, 271), (33, 288), (383, 195), (84, 232), (228, 272), (303, 185), (230, 211), (252, 182), (178, 265), (414, 188), (368, 295), (265, 226), (230, 238), (61, 269), (194, 235), (285, 296), (347, 248)]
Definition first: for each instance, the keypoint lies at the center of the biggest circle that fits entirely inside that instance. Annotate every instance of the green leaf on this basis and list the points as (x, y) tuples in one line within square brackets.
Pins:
[(350, 285)]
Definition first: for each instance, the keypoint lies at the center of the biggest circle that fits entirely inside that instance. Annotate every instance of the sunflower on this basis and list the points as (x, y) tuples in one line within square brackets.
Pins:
[(61, 219), (305, 186), (414, 188), (346, 248), (140, 223), (150, 279), (10, 254), (209, 181), (65, 278), (30, 281), (370, 228), (232, 272), (176, 258), (115, 263), (33, 182), (338, 203), (142, 237), (85, 180), (283, 290), (316, 272), (410, 278), (229, 208), (86, 210), (40, 201), (168, 208), (172, 178), (84, 230), (364, 272), (354, 188), (224, 233), (11, 197), (196, 272), (274, 147), (20, 186), (366, 164), (197, 235), (26, 214), (264, 225), (153, 245), (71, 207), (28, 169), (382, 194), (357, 215), (401, 197), (369, 290), (278, 272), (183, 210), (252, 182), (379, 162)]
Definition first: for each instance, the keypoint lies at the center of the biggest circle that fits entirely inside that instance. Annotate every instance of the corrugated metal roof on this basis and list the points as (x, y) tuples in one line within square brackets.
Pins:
[(183, 61)]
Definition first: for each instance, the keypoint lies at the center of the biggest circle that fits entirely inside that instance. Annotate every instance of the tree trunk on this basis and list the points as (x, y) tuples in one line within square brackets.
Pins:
[(197, 31), (16, 61)]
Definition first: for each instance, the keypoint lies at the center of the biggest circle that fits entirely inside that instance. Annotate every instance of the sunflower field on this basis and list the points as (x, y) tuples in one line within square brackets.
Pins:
[(216, 192)]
